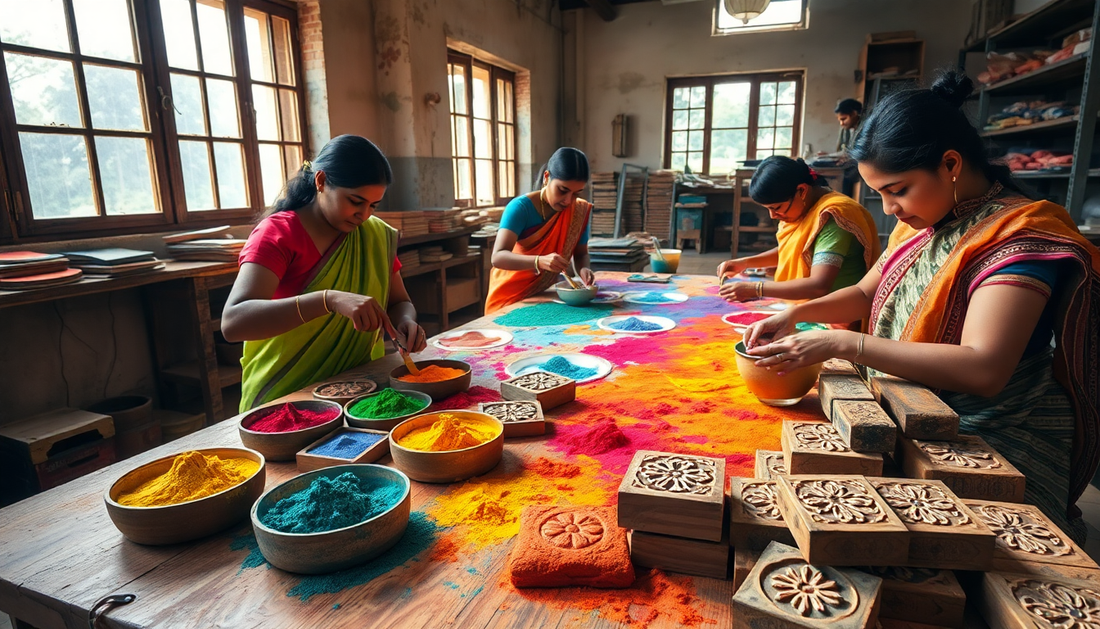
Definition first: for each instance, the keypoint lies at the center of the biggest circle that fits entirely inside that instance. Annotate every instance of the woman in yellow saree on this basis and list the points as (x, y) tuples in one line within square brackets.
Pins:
[(987, 297), (543, 234), (319, 280), (827, 241)]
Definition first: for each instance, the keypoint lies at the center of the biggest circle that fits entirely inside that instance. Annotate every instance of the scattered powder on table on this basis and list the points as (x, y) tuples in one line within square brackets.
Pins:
[(332, 503), (652, 298), (432, 373), (467, 399), (471, 338), (388, 404), (747, 318), (347, 445), (551, 313), (448, 433), (288, 418), (603, 437), (634, 324), (563, 367), (193, 475)]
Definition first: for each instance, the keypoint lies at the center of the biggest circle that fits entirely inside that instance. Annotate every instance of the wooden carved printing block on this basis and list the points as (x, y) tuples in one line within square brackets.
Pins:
[(1021, 601), (674, 494), (864, 426), (832, 387), (769, 464), (755, 520), (919, 412), (921, 595), (520, 419), (967, 465), (548, 389), (817, 448)]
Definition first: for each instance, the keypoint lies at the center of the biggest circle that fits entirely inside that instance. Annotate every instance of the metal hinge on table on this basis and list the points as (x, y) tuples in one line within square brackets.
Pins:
[(106, 604)]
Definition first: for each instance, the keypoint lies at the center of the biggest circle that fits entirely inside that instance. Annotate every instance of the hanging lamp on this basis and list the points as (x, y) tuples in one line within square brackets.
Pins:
[(746, 10)]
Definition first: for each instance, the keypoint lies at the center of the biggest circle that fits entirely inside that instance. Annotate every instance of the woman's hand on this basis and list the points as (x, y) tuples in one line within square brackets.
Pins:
[(366, 313), (805, 348), (738, 291), (553, 263), (769, 330), (588, 277), (729, 268), (411, 336)]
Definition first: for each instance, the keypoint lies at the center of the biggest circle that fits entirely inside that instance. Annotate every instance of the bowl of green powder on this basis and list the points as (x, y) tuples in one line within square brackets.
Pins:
[(333, 518), (385, 409)]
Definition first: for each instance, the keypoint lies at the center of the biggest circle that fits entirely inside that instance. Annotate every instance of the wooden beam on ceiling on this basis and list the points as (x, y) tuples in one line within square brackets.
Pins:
[(603, 8)]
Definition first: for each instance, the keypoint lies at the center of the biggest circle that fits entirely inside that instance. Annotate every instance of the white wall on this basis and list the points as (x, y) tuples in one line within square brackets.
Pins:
[(628, 60)]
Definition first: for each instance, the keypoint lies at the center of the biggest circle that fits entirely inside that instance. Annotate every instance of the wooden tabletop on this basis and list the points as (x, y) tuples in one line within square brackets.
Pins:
[(60, 553)]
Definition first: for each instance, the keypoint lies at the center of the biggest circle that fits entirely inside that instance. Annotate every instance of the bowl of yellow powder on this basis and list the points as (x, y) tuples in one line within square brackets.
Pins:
[(437, 378), (771, 388), (186, 496), (447, 447)]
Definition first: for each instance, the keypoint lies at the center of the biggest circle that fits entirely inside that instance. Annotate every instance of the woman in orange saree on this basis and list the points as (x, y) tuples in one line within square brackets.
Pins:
[(543, 234)]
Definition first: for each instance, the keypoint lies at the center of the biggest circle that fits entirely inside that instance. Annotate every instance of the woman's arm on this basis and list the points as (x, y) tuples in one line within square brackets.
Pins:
[(767, 259), (820, 283), (581, 262), (505, 258)]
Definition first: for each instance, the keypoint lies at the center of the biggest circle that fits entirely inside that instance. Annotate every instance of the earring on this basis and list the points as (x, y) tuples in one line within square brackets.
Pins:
[(955, 189)]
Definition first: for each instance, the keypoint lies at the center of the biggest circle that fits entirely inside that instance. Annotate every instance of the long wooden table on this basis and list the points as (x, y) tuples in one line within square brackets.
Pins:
[(59, 552)]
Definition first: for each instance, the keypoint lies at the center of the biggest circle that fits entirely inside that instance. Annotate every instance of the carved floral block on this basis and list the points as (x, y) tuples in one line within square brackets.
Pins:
[(817, 448), (769, 464), (835, 386), (919, 413), (520, 419), (944, 533), (969, 466), (784, 591), (548, 389), (864, 426), (1027, 542), (1020, 601), (921, 595), (755, 520), (681, 554), (842, 521), (562, 546), (674, 494)]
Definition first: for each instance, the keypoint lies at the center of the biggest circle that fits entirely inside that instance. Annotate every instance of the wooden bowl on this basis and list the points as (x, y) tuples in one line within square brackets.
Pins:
[(185, 521), (437, 390), (771, 388), (383, 424), (319, 553), (282, 446), (576, 296), (447, 466), (362, 387)]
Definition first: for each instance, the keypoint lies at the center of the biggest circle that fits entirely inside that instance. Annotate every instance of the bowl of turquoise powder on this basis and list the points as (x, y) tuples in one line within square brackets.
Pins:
[(332, 518), (385, 409)]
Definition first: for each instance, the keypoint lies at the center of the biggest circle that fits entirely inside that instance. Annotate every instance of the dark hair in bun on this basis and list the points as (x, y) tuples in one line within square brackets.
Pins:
[(913, 128), (777, 178)]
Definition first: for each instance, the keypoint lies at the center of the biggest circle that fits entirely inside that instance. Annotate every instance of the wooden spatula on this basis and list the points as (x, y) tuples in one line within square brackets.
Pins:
[(409, 364)]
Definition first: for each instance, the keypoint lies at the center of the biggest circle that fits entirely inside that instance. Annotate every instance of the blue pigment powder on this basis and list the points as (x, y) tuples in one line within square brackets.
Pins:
[(652, 298), (332, 503), (634, 324), (347, 445), (563, 367), (552, 313)]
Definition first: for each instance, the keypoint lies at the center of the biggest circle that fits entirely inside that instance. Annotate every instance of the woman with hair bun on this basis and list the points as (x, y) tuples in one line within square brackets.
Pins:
[(319, 280), (827, 241), (541, 233), (985, 296)]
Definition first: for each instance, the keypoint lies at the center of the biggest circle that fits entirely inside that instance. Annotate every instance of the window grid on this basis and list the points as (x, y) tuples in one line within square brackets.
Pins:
[(484, 170)]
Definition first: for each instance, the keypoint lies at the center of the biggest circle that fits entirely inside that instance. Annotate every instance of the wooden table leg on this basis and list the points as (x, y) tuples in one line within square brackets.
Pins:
[(209, 382)]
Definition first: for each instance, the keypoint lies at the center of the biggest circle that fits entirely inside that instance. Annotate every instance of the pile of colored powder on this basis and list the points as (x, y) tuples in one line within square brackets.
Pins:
[(634, 324), (448, 433), (563, 367), (332, 503), (193, 475), (468, 399), (604, 437), (432, 373), (288, 418), (347, 445), (388, 404), (551, 313), (746, 318), (471, 338), (652, 298)]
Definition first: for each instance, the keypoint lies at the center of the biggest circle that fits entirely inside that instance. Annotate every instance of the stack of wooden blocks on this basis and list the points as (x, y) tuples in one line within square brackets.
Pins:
[(658, 203), (442, 221), (409, 224), (604, 192)]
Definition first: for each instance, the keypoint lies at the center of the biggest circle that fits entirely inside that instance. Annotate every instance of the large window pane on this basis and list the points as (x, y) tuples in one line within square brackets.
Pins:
[(179, 34), (731, 105), (765, 139), (271, 172), (766, 117), (103, 29), (222, 96), (681, 97), (695, 141), (483, 143), (783, 137), (114, 99), (787, 92), (292, 155), (728, 149), (505, 142), (126, 176), (680, 119), (461, 137), (678, 161), (42, 90), (695, 161), (229, 162), (784, 115), (698, 119), (698, 97), (767, 93), (187, 101), (42, 27), (463, 179), (258, 45), (196, 176), (679, 140), (214, 37), (458, 89), (484, 185), (481, 92), (58, 176), (267, 119), (288, 115), (283, 53)]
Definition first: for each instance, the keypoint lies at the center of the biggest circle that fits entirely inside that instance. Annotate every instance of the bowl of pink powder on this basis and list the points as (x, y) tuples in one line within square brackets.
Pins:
[(280, 430)]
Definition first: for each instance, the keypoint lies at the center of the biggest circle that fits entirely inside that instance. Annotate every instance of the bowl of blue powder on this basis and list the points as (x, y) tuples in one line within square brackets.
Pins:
[(333, 518)]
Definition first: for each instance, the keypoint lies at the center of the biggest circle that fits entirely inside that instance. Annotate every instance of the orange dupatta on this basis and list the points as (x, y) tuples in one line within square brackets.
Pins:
[(796, 240), (559, 234)]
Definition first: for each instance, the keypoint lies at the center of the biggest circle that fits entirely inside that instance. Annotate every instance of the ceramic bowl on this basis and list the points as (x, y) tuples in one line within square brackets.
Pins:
[(576, 296), (282, 446), (448, 466), (670, 263), (383, 424), (343, 391), (186, 521), (319, 553), (771, 388), (437, 390)]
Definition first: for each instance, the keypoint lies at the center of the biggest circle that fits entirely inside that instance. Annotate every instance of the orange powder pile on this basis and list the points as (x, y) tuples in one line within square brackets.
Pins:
[(432, 373), (448, 433)]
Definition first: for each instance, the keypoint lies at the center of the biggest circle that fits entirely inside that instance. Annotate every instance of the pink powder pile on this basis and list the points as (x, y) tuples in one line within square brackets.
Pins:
[(288, 418)]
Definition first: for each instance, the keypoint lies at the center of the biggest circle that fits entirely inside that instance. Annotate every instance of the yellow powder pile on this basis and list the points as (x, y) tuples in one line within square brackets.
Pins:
[(193, 475), (448, 433)]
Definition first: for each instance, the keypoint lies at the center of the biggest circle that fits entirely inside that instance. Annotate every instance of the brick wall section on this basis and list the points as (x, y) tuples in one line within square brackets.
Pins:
[(313, 73), (309, 34)]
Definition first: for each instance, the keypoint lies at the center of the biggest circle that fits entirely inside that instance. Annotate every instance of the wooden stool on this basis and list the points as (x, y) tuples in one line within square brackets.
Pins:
[(692, 235)]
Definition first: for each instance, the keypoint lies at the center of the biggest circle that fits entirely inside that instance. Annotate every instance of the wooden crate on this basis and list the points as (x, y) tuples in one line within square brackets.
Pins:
[(680, 554), (307, 461), (769, 464), (755, 520), (1028, 542), (548, 389), (520, 419), (921, 595), (919, 413), (968, 465), (817, 448), (674, 494), (1019, 601)]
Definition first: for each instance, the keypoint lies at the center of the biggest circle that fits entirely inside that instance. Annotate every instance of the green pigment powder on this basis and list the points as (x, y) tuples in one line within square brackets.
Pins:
[(388, 404), (332, 503), (552, 313)]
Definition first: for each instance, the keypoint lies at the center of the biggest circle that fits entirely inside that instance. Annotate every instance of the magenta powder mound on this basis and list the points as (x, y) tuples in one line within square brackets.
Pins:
[(288, 418)]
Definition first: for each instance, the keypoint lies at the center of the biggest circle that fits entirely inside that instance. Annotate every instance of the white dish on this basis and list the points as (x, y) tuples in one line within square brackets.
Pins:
[(606, 297), (501, 337), (607, 324), (671, 297), (534, 363), (741, 327)]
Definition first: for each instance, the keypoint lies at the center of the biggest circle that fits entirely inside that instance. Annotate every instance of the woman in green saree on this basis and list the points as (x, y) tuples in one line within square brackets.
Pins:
[(319, 280)]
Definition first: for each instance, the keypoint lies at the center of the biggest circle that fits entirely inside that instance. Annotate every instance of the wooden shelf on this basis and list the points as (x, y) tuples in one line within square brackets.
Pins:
[(188, 373), (423, 238), (1038, 26), (1038, 174), (1067, 123), (421, 269), (1070, 70)]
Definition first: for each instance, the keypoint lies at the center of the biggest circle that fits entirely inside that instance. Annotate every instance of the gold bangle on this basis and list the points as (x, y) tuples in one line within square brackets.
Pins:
[(538, 271), (298, 303), (324, 299), (760, 289), (859, 350)]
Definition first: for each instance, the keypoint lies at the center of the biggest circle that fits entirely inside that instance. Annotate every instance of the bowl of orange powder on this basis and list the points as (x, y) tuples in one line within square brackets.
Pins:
[(280, 430), (447, 447), (437, 378), (771, 388), (186, 496)]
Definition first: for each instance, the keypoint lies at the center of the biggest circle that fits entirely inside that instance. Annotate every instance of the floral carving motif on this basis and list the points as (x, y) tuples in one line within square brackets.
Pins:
[(760, 500), (916, 503), (819, 437), (572, 530), (676, 474), (775, 464), (1059, 606), (806, 589), (1020, 531), (960, 455), (838, 502), (539, 381), (508, 412)]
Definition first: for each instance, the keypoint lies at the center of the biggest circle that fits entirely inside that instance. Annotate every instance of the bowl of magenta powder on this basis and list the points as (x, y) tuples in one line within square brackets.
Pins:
[(385, 409), (279, 431), (332, 518)]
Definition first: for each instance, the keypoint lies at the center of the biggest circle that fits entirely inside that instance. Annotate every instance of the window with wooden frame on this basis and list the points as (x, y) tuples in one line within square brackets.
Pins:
[(123, 116), (714, 123), (483, 131), (780, 15)]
